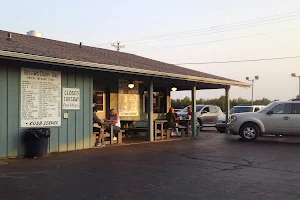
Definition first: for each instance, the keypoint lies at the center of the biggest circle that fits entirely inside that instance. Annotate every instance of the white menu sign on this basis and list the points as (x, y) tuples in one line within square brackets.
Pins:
[(71, 98), (40, 98), (129, 100)]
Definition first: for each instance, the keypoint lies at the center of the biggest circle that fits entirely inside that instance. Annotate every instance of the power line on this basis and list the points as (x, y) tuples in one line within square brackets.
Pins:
[(240, 61), (213, 32), (212, 27), (215, 41)]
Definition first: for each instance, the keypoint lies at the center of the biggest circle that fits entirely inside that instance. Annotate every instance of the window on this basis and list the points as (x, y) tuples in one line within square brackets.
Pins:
[(240, 109), (256, 109), (159, 102), (285, 108), (297, 108), (98, 100), (206, 109), (213, 110), (198, 108)]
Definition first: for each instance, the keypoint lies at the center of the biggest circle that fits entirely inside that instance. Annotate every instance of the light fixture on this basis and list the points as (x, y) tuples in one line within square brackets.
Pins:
[(247, 78), (174, 89), (256, 77), (131, 85), (293, 74)]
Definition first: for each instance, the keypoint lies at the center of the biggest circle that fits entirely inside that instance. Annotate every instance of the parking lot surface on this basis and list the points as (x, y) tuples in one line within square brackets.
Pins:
[(212, 166)]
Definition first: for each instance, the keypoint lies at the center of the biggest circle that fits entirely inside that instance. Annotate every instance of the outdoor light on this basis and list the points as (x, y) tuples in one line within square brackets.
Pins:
[(294, 75), (131, 85), (252, 80), (174, 89)]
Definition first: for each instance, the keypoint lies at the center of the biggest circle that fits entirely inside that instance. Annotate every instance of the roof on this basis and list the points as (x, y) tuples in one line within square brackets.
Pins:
[(41, 49)]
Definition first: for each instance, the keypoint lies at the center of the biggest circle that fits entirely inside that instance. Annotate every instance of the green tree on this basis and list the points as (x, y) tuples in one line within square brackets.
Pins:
[(181, 103)]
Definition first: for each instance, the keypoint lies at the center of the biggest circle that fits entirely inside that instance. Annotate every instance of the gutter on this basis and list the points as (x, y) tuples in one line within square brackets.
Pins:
[(114, 68)]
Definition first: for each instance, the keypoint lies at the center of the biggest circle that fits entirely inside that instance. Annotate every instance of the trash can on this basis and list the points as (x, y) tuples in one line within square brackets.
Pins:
[(36, 142)]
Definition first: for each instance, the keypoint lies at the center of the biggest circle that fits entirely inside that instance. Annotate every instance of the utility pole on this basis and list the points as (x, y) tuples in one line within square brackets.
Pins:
[(118, 46)]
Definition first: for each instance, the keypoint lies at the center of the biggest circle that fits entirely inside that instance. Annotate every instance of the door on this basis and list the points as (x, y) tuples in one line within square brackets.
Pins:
[(205, 115), (214, 111), (279, 119), (99, 101), (296, 119)]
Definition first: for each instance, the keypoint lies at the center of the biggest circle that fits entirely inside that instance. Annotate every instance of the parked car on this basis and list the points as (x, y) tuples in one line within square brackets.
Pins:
[(207, 115), (278, 118), (177, 110), (222, 122)]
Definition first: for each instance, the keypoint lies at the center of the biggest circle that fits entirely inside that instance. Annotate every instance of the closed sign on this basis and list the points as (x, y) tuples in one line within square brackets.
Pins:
[(71, 98)]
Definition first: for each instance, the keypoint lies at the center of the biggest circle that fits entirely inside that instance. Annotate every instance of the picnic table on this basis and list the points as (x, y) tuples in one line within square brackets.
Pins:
[(159, 128), (110, 125), (125, 125), (186, 123)]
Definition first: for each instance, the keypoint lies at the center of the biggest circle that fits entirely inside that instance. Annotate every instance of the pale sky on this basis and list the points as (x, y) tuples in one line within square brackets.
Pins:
[(96, 22)]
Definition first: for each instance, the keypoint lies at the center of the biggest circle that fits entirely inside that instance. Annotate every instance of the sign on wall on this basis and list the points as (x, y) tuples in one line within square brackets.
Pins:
[(129, 100), (71, 99), (40, 98)]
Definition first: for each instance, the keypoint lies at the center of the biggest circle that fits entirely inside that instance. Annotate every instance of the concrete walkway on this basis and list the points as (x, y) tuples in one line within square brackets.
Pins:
[(213, 166)]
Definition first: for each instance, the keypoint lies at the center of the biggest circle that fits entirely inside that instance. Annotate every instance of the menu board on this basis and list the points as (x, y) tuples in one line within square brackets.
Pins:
[(40, 98), (129, 99)]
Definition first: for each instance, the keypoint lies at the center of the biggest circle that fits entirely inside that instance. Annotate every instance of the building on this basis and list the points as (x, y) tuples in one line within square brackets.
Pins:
[(49, 83)]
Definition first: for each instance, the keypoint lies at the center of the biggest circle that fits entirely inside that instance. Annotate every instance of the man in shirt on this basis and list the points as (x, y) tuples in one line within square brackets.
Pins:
[(99, 127)]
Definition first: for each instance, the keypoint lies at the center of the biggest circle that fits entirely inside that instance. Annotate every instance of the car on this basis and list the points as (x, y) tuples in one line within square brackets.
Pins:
[(177, 110), (222, 122), (277, 118), (207, 115)]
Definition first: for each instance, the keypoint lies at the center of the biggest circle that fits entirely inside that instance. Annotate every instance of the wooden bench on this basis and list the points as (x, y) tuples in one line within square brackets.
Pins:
[(135, 130)]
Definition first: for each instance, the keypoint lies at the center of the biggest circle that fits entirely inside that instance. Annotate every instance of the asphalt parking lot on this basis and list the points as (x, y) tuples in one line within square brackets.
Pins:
[(213, 166)]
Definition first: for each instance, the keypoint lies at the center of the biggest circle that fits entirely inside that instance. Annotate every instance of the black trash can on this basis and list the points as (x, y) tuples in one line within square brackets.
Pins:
[(36, 142)]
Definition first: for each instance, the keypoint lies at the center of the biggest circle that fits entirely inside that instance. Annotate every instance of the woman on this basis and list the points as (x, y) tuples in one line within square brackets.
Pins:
[(190, 112), (171, 118), (114, 117)]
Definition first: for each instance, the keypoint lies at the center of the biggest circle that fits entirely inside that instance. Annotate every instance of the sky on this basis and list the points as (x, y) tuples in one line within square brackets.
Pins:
[(100, 23)]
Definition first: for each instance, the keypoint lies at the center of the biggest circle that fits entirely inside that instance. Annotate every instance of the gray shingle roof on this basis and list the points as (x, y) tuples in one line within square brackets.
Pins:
[(56, 49)]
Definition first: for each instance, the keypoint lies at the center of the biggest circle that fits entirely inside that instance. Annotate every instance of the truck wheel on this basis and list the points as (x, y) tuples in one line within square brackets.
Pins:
[(249, 132)]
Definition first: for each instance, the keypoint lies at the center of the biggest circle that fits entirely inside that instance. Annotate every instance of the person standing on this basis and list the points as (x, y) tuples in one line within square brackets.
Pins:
[(171, 118)]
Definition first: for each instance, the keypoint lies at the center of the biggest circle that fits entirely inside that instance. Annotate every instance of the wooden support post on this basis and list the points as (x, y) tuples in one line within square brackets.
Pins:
[(194, 125), (227, 105), (150, 111)]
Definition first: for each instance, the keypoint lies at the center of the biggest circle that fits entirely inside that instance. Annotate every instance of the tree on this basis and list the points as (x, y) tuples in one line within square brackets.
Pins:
[(181, 103)]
